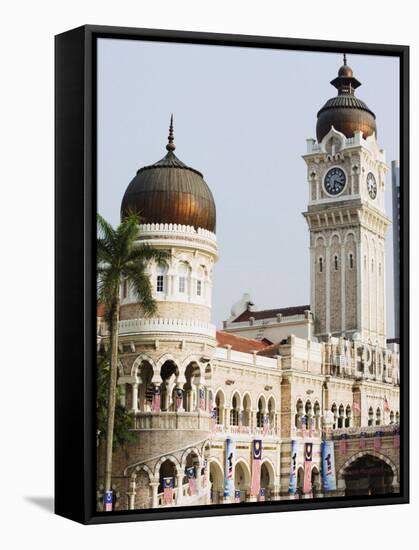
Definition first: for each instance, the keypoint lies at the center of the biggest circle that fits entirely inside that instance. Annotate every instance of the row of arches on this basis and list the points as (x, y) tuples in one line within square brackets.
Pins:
[(239, 411), (376, 418), (307, 415)]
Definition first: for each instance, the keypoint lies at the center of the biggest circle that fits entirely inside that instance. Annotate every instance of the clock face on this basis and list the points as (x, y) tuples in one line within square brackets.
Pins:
[(335, 181), (371, 185)]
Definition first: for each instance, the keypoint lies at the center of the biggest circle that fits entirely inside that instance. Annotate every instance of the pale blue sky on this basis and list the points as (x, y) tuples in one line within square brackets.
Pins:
[(242, 116)]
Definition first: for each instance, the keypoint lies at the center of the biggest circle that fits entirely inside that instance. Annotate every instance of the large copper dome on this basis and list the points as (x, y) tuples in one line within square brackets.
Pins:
[(345, 112), (169, 191)]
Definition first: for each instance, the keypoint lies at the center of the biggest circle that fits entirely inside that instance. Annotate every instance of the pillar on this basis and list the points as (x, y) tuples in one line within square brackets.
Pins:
[(131, 494), (135, 396), (179, 493), (154, 495)]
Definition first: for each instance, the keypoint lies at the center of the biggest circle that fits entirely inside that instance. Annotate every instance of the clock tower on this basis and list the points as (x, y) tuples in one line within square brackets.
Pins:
[(346, 173)]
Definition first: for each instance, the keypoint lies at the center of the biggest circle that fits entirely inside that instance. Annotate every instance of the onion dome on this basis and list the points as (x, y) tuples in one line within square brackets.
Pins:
[(345, 112), (169, 191)]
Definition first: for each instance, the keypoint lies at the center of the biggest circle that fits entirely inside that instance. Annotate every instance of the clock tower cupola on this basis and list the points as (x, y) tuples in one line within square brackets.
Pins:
[(346, 173)]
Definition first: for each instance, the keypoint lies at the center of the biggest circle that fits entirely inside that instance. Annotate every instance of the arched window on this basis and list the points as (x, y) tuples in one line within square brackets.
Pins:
[(299, 409), (397, 417), (321, 265), (378, 417), (308, 415), (183, 273), (261, 413), (348, 417), (247, 407), (234, 412), (372, 265), (370, 416), (335, 260), (392, 417), (219, 407), (341, 419), (334, 410), (351, 261), (161, 270)]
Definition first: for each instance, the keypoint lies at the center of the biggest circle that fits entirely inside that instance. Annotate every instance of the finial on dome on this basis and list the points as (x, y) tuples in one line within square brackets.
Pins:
[(344, 58), (171, 146)]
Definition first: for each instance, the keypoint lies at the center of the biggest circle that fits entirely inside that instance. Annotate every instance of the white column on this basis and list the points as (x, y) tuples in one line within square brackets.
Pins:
[(359, 286), (154, 495), (179, 493), (131, 494), (135, 396)]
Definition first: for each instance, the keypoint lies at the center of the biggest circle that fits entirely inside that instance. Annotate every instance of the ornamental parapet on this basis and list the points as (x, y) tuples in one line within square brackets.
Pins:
[(185, 235), (172, 421), (152, 326), (367, 431)]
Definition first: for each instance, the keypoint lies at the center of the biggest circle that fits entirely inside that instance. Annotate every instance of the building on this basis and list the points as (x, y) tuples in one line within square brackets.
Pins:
[(284, 403)]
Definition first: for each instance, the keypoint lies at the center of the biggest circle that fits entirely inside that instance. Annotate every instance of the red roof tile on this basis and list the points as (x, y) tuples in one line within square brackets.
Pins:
[(269, 313), (238, 343)]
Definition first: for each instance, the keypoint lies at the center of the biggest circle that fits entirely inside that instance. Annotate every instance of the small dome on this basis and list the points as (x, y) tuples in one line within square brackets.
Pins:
[(345, 112), (169, 191)]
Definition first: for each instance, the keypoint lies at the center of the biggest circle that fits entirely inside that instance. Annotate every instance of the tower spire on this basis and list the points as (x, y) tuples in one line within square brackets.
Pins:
[(171, 146), (344, 58)]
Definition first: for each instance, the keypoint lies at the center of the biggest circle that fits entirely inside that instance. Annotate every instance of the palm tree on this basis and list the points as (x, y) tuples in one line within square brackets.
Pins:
[(121, 259)]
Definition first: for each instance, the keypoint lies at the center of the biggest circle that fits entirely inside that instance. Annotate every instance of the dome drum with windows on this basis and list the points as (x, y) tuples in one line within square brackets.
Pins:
[(169, 191)]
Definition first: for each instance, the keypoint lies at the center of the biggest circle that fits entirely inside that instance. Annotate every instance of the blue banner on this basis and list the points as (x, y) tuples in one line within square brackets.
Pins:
[(293, 468), (229, 469), (328, 466)]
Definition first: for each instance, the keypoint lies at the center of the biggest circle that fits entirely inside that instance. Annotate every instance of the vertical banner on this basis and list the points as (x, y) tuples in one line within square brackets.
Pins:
[(191, 475), (292, 487), (108, 501), (237, 495), (308, 458), (265, 424), (204, 473), (262, 494), (213, 420), (256, 466), (168, 484), (155, 402), (201, 401), (328, 466), (229, 471)]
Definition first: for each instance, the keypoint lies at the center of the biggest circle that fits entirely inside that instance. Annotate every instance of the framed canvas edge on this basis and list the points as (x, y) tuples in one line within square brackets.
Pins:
[(75, 433)]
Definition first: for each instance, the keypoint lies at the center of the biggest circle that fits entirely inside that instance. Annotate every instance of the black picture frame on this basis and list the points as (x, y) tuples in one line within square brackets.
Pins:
[(75, 278)]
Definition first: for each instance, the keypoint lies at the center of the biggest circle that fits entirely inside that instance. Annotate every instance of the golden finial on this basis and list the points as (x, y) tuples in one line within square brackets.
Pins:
[(171, 146)]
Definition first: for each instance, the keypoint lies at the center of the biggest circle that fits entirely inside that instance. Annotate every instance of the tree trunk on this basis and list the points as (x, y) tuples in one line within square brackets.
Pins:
[(113, 374)]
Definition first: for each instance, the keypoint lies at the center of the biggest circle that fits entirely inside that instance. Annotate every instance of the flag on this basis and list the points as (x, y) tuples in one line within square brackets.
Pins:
[(168, 484), (386, 405), (310, 430), (201, 402), (396, 440), (356, 406), (265, 424), (204, 474), (191, 475), (213, 419), (237, 495), (293, 468), (377, 441), (178, 398), (228, 480), (256, 465), (304, 426), (328, 466), (108, 501), (210, 403), (262, 494), (308, 457), (343, 444), (155, 402), (362, 441), (240, 420)]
